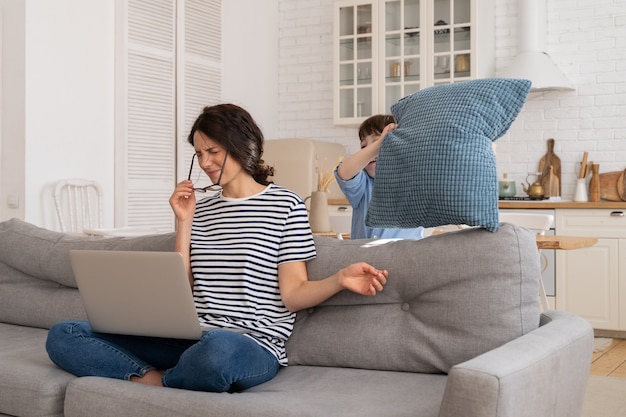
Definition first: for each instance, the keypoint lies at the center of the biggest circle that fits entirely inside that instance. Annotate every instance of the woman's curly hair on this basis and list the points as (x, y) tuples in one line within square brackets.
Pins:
[(234, 128)]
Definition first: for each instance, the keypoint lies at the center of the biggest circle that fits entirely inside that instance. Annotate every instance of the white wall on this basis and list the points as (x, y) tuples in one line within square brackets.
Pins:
[(12, 88), (588, 42), (250, 59), (58, 93), (587, 39), (69, 115), (305, 65), (57, 101)]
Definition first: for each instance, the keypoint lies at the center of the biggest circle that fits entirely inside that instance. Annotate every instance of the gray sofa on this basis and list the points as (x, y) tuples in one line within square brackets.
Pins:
[(457, 331)]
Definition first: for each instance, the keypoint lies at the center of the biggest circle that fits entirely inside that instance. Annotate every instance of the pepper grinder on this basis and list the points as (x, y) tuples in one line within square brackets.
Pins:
[(594, 183)]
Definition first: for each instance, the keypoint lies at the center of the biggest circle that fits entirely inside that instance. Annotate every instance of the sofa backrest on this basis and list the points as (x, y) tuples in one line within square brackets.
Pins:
[(44, 254), (448, 299), (37, 284)]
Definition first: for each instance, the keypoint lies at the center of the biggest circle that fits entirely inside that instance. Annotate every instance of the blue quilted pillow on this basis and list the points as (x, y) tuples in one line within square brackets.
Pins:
[(438, 167)]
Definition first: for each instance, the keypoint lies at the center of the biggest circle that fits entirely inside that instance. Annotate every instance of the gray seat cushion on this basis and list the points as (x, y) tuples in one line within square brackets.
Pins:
[(297, 391), (30, 384)]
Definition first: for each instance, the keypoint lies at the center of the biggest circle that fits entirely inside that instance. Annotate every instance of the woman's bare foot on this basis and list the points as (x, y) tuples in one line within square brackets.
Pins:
[(150, 378)]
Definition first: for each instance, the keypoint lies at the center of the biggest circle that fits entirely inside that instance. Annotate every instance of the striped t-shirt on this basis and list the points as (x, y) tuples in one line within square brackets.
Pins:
[(236, 247)]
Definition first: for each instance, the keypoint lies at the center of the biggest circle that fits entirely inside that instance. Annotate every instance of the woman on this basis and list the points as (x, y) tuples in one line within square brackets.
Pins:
[(245, 248)]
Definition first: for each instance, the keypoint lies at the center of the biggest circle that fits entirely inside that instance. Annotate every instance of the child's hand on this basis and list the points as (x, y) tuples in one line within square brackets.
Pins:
[(387, 129)]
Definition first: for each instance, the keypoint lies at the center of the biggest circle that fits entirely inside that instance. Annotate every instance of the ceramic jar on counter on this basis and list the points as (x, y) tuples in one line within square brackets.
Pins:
[(506, 186)]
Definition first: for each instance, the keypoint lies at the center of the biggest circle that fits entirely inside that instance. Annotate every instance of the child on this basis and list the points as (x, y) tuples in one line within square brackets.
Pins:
[(355, 176)]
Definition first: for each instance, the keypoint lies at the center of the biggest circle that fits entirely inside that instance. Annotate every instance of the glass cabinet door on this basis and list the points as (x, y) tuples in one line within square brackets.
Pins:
[(403, 48), (356, 57), (388, 49), (452, 33)]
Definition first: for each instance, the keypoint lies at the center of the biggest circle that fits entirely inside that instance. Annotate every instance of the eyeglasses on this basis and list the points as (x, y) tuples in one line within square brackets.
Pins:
[(212, 187)]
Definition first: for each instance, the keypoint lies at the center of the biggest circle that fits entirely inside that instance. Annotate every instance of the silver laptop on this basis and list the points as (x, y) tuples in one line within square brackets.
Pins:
[(136, 293)]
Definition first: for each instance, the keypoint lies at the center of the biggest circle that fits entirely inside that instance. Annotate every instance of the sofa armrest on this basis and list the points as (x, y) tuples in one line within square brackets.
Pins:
[(543, 373)]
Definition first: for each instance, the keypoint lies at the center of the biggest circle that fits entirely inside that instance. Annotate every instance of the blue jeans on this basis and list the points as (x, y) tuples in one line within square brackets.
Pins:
[(220, 361)]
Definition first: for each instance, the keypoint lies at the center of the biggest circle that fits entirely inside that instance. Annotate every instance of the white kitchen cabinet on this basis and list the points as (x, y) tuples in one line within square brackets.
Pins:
[(591, 282), (387, 49)]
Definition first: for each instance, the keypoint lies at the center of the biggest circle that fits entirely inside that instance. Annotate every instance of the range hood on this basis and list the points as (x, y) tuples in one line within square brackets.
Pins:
[(532, 62)]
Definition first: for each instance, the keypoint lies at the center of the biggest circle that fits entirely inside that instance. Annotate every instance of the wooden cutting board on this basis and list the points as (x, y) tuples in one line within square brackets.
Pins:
[(551, 183), (550, 160), (612, 186)]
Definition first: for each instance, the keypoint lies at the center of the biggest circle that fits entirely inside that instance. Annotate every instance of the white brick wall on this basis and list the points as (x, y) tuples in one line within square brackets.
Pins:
[(306, 73), (586, 38)]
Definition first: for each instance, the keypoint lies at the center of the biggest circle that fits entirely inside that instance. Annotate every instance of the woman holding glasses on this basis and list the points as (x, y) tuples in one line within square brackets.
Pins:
[(245, 246)]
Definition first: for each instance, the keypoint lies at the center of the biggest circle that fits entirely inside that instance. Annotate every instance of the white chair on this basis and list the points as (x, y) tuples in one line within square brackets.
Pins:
[(78, 205), (539, 222)]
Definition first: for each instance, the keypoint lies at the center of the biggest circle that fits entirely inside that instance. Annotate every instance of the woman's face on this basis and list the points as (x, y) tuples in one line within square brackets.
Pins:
[(370, 168), (212, 159)]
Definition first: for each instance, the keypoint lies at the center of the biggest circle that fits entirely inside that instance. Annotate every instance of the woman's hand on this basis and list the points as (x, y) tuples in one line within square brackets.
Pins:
[(183, 201), (363, 278), (298, 292)]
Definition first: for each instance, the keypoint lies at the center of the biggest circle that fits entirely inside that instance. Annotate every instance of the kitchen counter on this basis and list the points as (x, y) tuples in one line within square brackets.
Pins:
[(338, 202), (565, 242), (562, 204), (537, 204)]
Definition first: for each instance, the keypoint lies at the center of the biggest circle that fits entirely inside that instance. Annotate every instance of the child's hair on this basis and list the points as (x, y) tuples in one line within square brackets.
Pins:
[(374, 125)]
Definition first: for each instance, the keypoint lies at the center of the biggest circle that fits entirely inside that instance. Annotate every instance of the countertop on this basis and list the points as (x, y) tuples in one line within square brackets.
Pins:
[(562, 204), (538, 204)]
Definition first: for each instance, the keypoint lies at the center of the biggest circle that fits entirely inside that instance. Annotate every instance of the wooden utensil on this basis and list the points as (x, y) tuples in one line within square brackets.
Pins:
[(594, 184), (550, 159), (621, 186), (552, 184), (583, 166), (608, 186)]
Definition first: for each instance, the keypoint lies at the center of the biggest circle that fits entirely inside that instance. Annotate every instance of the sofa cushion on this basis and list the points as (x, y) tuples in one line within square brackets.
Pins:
[(43, 253), (297, 391), (36, 302), (30, 384), (445, 301), (438, 167)]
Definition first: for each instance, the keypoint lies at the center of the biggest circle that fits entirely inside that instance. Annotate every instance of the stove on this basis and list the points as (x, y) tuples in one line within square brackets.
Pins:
[(521, 198)]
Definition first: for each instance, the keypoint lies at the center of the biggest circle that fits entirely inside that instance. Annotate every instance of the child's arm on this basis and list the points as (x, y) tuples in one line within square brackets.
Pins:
[(359, 160), (351, 166)]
